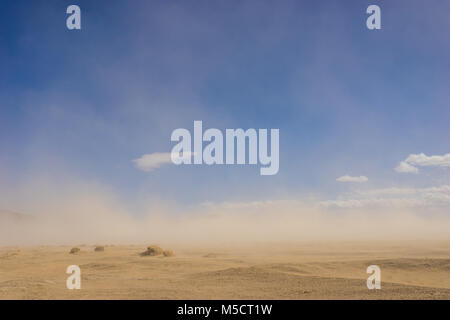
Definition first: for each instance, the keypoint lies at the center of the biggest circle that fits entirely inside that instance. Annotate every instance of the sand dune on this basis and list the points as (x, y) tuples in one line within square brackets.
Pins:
[(277, 271)]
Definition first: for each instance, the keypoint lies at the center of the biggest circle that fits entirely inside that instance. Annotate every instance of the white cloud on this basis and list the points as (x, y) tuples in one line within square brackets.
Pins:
[(431, 197), (352, 179), (413, 161), (392, 191), (424, 160), (405, 167), (152, 161)]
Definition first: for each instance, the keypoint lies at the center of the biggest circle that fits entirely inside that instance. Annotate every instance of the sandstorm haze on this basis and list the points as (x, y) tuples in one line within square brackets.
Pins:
[(53, 214), (363, 119)]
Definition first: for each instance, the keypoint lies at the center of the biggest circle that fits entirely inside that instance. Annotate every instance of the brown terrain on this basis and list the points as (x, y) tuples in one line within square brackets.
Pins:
[(409, 270)]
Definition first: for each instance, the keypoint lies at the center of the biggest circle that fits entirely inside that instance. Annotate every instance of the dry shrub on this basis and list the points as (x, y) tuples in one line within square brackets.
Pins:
[(99, 248), (152, 251), (168, 253), (74, 250)]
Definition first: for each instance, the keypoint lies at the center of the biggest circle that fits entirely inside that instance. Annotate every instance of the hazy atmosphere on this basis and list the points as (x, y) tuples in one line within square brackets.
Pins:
[(86, 118), (222, 149)]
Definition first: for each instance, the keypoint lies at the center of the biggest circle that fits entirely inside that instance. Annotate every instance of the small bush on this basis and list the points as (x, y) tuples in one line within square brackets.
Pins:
[(74, 250), (99, 248), (168, 253), (152, 251)]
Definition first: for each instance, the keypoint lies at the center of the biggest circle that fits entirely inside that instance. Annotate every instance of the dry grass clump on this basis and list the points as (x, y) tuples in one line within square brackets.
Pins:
[(75, 250), (156, 251), (168, 253), (99, 248), (152, 251)]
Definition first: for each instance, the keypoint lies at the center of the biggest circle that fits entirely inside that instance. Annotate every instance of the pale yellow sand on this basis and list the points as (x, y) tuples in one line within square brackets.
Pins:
[(409, 270)]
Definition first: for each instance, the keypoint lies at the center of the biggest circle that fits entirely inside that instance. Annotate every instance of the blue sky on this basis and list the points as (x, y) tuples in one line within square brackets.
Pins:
[(348, 101)]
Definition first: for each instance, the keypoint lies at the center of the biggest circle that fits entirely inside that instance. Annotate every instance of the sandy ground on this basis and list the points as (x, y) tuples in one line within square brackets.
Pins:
[(409, 270)]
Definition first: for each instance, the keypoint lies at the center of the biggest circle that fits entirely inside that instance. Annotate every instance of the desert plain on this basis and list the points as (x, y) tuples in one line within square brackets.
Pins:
[(302, 270)]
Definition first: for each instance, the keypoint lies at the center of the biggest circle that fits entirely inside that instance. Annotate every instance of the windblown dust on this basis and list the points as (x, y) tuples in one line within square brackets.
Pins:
[(89, 213)]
